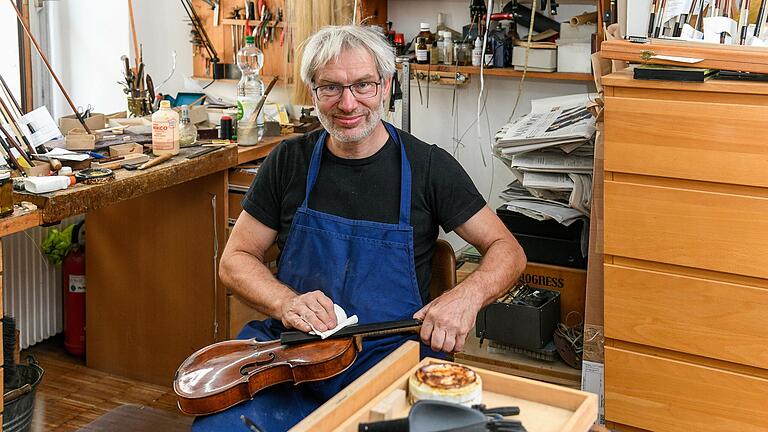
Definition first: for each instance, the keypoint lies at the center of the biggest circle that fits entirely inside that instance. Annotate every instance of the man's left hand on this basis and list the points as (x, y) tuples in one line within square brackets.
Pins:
[(447, 320)]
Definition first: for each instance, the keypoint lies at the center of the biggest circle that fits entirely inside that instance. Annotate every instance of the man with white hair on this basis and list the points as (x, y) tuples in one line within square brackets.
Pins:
[(355, 209)]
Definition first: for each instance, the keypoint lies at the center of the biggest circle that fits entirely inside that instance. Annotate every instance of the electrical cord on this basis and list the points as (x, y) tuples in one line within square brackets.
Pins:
[(482, 73), (525, 63), (209, 84)]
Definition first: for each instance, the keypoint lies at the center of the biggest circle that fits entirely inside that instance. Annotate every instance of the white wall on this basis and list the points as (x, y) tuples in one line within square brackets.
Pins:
[(87, 40), (9, 67), (161, 28)]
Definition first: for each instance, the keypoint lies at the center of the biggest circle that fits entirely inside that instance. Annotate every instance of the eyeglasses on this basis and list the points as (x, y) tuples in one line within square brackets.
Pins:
[(361, 90)]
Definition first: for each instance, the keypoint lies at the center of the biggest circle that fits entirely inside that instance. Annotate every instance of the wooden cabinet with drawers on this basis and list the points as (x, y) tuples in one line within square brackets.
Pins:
[(686, 255)]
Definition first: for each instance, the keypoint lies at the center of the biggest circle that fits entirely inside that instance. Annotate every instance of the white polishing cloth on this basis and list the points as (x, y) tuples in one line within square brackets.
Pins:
[(341, 322)]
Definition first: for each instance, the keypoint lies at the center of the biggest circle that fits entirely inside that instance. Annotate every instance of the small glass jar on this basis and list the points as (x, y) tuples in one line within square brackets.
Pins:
[(6, 194), (462, 54), (187, 131)]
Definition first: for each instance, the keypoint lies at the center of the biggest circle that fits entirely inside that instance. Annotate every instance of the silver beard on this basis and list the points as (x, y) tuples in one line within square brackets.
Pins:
[(340, 135)]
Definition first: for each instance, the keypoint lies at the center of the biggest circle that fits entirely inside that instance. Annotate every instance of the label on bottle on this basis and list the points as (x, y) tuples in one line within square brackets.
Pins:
[(477, 55), (421, 55), (164, 133)]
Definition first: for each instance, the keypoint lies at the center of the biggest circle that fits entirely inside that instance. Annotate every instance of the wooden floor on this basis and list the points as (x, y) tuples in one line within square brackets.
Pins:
[(72, 395)]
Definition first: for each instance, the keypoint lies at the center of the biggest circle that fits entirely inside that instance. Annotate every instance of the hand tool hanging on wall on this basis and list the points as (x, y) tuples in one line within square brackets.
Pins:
[(218, 71), (48, 65)]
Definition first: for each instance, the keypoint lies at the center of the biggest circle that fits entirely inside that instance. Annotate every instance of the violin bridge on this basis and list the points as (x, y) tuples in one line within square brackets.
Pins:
[(358, 342)]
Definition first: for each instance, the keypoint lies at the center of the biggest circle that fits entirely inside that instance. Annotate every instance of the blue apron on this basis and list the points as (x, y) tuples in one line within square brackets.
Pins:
[(367, 268)]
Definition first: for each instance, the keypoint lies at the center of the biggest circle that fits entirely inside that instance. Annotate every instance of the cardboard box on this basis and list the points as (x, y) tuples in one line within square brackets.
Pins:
[(39, 169), (594, 337), (569, 282), (95, 121), (124, 149), (539, 59), (574, 56), (78, 139)]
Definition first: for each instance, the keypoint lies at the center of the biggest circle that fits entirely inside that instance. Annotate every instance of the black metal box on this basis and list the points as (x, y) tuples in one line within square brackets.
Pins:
[(512, 322), (547, 242)]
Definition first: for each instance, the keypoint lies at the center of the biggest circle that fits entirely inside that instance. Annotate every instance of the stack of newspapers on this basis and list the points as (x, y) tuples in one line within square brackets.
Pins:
[(551, 154)]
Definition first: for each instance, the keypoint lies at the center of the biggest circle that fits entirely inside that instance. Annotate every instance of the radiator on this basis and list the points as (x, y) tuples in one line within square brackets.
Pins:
[(32, 292)]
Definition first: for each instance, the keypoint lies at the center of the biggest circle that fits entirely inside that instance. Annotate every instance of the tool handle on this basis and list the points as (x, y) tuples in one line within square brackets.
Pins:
[(156, 161), (399, 425), (503, 411)]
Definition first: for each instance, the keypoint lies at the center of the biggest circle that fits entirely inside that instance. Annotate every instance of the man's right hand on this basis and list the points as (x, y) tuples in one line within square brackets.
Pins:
[(311, 308)]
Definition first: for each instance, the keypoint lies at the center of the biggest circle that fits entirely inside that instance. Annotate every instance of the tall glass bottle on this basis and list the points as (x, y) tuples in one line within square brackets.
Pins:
[(250, 60)]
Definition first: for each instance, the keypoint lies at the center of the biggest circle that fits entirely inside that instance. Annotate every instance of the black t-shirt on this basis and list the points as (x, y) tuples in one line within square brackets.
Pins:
[(442, 194)]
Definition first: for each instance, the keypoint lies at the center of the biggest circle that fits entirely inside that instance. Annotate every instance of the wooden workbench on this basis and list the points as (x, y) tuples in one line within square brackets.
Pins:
[(81, 198), (154, 240)]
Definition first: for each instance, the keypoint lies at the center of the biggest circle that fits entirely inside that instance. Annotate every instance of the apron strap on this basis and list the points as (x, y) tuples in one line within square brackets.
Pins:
[(405, 173)]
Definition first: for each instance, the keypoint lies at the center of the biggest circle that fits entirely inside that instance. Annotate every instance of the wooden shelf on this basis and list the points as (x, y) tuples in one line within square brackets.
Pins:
[(503, 72), (265, 79), (220, 80), (20, 220), (252, 23)]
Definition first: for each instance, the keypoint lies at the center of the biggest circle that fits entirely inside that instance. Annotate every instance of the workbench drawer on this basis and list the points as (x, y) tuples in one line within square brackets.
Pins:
[(722, 320), (243, 175), (235, 204), (717, 231), (662, 394), (689, 140)]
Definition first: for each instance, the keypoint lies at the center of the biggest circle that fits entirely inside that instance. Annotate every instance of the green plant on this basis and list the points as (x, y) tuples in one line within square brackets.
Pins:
[(57, 244)]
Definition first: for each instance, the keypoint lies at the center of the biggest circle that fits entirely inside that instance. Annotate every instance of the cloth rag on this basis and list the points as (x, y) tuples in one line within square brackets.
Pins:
[(341, 321)]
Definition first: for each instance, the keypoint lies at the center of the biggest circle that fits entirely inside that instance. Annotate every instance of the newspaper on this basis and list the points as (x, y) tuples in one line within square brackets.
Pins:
[(552, 162), (557, 120), (550, 152)]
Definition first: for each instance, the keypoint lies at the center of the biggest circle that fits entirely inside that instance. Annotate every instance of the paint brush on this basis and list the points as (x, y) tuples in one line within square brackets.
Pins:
[(744, 21), (760, 18), (683, 19), (652, 22), (660, 19), (8, 156), (260, 104), (11, 97), (21, 160)]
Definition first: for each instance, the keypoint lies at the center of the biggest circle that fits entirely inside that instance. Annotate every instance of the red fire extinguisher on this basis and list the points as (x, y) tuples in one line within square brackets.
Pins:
[(73, 275)]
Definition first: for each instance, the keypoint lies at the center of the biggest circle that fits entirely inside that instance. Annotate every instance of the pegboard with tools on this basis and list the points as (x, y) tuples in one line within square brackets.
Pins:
[(227, 22)]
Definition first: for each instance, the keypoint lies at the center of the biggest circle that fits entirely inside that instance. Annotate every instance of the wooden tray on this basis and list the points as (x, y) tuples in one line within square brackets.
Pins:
[(543, 407), (715, 56)]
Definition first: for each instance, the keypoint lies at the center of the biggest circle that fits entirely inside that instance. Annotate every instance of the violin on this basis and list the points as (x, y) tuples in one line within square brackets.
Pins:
[(224, 374)]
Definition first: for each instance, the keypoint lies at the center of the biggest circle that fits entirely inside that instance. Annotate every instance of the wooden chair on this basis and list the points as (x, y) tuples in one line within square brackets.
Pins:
[(443, 269)]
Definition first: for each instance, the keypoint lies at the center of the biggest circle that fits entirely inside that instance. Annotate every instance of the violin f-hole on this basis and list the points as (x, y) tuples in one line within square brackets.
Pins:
[(257, 362)]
